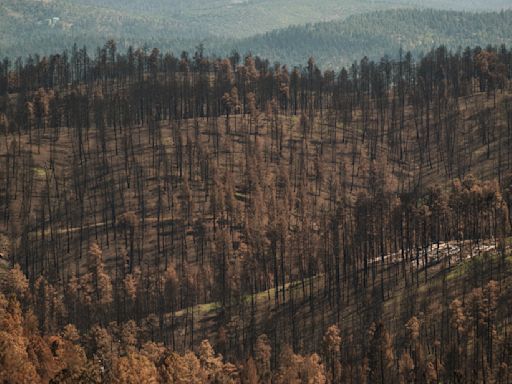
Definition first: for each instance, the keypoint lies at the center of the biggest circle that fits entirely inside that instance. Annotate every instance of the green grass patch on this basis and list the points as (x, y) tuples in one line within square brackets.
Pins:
[(478, 264), (199, 309), (297, 284), (39, 172), (4, 265)]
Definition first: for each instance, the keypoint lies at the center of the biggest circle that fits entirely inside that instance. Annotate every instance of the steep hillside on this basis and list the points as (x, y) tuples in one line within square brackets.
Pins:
[(154, 201), (381, 33)]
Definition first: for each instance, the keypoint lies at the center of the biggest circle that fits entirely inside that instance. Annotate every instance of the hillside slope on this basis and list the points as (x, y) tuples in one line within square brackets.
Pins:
[(29, 27), (154, 201), (380, 33)]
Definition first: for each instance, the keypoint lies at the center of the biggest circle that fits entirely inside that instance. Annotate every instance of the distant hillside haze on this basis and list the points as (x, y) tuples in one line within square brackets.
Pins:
[(463, 5), (323, 9), (42, 27)]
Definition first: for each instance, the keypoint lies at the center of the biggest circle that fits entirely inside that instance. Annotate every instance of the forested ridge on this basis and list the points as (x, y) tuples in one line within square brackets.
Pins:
[(338, 33), (338, 43), (309, 226), (27, 26)]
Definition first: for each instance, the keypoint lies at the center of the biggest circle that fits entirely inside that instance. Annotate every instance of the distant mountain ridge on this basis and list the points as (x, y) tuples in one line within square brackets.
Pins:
[(379, 33), (360, 27)]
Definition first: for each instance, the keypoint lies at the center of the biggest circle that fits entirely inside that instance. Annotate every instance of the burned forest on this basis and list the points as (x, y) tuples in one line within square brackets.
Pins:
[(194, 219)]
